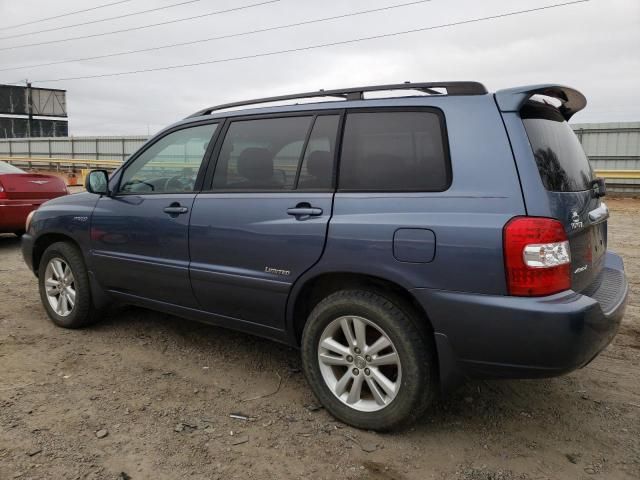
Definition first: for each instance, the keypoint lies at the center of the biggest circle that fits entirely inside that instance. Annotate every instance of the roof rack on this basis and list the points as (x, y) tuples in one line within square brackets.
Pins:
[(357, 93)]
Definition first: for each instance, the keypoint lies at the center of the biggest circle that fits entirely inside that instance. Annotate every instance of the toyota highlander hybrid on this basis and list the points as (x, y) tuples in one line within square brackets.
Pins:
[(402, 243)]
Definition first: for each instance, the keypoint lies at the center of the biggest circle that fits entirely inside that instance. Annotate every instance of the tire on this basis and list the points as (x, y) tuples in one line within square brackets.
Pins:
[(413, 377), (82, 312)]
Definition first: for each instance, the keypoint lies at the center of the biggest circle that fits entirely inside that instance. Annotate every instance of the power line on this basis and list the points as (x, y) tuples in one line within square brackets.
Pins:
[(232, 35), (322, 45), (9, 27), (100, 20), (113, 32)]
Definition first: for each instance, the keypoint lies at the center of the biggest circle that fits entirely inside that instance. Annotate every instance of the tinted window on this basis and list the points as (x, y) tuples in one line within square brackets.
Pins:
[(317, 165), (561, 161), (261, 154), (393, 151), (171, 164)]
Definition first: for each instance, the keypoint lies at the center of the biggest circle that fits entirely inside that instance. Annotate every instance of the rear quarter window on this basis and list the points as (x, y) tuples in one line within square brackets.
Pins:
[(560, 159), (394, 151), (8, 168)]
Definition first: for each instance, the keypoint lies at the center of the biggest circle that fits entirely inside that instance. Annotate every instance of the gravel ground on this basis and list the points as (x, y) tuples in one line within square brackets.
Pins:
[(147, 395)]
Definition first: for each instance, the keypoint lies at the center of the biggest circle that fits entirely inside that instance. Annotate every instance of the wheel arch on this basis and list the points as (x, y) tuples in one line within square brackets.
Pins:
[(100, 296), (308, 292), (44, 241)]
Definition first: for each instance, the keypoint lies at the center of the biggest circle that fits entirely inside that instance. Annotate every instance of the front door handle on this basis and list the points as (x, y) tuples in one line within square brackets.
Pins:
[(311, 212), (175, 209), (304, 209)]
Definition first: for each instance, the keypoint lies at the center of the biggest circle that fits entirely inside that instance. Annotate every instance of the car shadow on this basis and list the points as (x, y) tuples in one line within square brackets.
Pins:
[(479, 405), (160, 329), (8, 241)]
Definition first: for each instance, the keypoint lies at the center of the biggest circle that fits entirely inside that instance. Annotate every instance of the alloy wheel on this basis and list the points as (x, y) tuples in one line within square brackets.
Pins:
[(59, 284), (359, 363)]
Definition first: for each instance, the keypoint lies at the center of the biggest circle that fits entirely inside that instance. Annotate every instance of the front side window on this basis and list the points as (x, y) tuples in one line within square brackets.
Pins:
[(394, 151), (171, 164), (261, 154)]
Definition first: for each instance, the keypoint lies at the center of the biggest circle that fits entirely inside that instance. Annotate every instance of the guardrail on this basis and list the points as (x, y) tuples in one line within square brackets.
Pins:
[(80, 166), (619, 174), (77, 163), (57, 163)]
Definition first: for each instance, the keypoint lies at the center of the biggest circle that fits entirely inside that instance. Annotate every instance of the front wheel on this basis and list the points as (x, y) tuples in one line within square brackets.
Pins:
[(64, 286), (367, 361)]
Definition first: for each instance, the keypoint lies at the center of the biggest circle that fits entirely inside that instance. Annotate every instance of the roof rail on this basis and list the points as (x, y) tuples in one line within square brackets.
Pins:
[(357, 93)]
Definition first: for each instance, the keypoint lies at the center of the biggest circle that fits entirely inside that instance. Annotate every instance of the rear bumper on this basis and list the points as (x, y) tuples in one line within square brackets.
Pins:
[(13, 214), (517, 337)]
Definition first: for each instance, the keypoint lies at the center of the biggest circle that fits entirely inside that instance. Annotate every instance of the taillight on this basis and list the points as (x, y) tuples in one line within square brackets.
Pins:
[(537, 256), (3, 194)]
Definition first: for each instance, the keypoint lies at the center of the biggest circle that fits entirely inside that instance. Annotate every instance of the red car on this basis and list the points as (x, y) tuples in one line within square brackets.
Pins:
[(21, 193)]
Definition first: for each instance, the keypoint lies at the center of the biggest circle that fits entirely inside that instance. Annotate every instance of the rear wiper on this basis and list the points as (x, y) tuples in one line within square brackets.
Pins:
[(598, 187)]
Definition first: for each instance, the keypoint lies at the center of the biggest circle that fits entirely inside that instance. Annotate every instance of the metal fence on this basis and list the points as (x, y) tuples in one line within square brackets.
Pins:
[(613, 149), (95, 148)]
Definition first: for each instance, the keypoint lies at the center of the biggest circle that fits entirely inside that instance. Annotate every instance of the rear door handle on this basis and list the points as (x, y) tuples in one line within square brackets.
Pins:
[(175, 209), (304, 210)]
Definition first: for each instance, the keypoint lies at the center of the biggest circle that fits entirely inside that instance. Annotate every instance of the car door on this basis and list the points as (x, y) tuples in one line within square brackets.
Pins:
[(139, 233), (264, 221)]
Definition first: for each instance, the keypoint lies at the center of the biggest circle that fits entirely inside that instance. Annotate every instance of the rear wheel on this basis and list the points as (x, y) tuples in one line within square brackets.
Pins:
[(64, 287), (367, 361)]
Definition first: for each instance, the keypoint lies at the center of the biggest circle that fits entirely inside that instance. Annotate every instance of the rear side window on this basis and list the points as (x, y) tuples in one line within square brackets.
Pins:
[(261, 154), (394, 151), (561, 161), (317, 165)]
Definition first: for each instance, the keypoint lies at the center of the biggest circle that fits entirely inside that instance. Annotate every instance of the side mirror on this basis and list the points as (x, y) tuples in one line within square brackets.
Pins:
[(97, 182)]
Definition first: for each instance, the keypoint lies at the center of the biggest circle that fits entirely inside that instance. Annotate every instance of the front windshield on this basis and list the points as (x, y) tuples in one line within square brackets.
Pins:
[(7, 168)]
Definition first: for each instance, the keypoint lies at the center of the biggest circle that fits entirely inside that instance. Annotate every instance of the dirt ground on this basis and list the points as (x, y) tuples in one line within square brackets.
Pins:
[(162, 389)]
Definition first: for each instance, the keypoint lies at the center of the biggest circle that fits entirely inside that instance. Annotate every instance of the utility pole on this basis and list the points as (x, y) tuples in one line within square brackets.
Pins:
[(29, 108)]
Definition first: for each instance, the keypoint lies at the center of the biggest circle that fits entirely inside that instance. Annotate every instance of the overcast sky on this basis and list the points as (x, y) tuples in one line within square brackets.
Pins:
[(592, 46)]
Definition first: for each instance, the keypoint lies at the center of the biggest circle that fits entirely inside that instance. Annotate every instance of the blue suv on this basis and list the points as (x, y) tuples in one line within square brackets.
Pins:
[(402, 243)]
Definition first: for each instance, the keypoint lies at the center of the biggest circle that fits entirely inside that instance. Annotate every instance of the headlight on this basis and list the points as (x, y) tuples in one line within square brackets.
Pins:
[(28, 222)]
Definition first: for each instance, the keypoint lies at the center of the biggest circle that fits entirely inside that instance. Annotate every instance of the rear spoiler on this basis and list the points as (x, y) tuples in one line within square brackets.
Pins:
[(512, 99)]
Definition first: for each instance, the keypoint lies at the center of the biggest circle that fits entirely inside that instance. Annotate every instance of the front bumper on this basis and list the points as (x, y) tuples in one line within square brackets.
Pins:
[(525, 337)]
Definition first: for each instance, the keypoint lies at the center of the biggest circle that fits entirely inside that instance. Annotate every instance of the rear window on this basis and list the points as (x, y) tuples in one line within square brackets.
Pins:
[(8, 168), (394, 151), (561, 161)]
